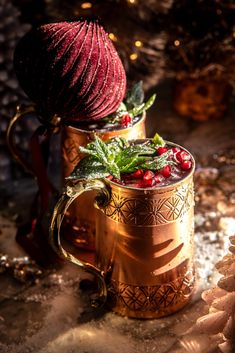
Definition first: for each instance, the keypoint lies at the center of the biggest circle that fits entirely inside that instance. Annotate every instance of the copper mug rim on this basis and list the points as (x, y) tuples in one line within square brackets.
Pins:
[(156, 187), (78, 129)]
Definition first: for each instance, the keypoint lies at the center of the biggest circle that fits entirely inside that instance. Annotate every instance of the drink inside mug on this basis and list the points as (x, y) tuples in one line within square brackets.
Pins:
[(147, 163), (173, 166), (144, 223)]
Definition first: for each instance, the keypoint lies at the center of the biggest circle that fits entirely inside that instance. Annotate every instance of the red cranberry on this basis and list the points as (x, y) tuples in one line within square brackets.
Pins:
[(138, 173), (109, 177), (166, 171), (126, 120), (159, 178), (148, 179), (182, 156), (175, 149), (148, 175), (161, 150), (186, 165), (148, 183)]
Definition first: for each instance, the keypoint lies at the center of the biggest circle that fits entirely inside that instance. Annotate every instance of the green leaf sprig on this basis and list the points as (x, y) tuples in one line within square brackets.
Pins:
[(133, 104), (118, 156)]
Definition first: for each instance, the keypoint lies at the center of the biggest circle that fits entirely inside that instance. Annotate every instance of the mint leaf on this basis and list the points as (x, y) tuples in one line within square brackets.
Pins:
[(89, 151), (135, 96), (122, 108), (133, 164), (150, 102), (138, 110), (117, 144), (159, 162), (89, 168), (158, 140), (101, 152), (130, 158)]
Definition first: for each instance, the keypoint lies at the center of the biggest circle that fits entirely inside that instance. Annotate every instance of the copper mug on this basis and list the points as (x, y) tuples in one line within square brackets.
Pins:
[(79, 227), (80, 224), (144, 244)]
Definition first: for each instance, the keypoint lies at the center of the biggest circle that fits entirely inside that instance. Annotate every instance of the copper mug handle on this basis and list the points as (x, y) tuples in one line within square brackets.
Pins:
[(52, 127), (71, 192), (38, 165), (21, 112)]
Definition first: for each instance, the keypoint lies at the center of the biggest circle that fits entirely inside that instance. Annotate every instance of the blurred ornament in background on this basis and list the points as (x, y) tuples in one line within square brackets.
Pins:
[(201, 99), (70, 70), (200, 55)]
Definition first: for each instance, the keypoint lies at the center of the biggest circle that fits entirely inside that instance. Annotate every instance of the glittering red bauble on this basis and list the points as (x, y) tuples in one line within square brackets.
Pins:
[(70, 69)]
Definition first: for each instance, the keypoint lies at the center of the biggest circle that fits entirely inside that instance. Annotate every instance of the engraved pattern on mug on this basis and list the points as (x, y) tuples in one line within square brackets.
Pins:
[(154, 299), (70, 152), (134, 211), (152, 272)]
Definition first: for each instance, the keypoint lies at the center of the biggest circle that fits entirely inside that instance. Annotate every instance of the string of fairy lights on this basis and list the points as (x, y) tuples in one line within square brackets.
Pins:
[(114, 37), (159, 39), (133, 45)]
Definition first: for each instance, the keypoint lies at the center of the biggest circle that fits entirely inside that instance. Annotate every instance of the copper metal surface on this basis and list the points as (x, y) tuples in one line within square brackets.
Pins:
[(80, 218), (144, 245)]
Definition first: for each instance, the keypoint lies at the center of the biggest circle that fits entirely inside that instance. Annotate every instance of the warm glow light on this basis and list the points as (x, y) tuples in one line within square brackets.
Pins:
[(133, 56), (138, 43), (176, 43), (131, 1), (86, 5), (112, 37)]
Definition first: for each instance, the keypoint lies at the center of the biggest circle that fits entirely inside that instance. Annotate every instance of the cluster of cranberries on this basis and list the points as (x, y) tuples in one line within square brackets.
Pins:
[(126, 120), (148, 178)]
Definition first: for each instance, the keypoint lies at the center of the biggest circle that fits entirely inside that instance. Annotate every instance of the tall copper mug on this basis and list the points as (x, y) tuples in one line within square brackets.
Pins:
[(80, 223), (144, 244)]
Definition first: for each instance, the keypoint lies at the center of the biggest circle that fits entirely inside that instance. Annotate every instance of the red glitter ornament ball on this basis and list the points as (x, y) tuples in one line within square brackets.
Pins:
[(71, 69)]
